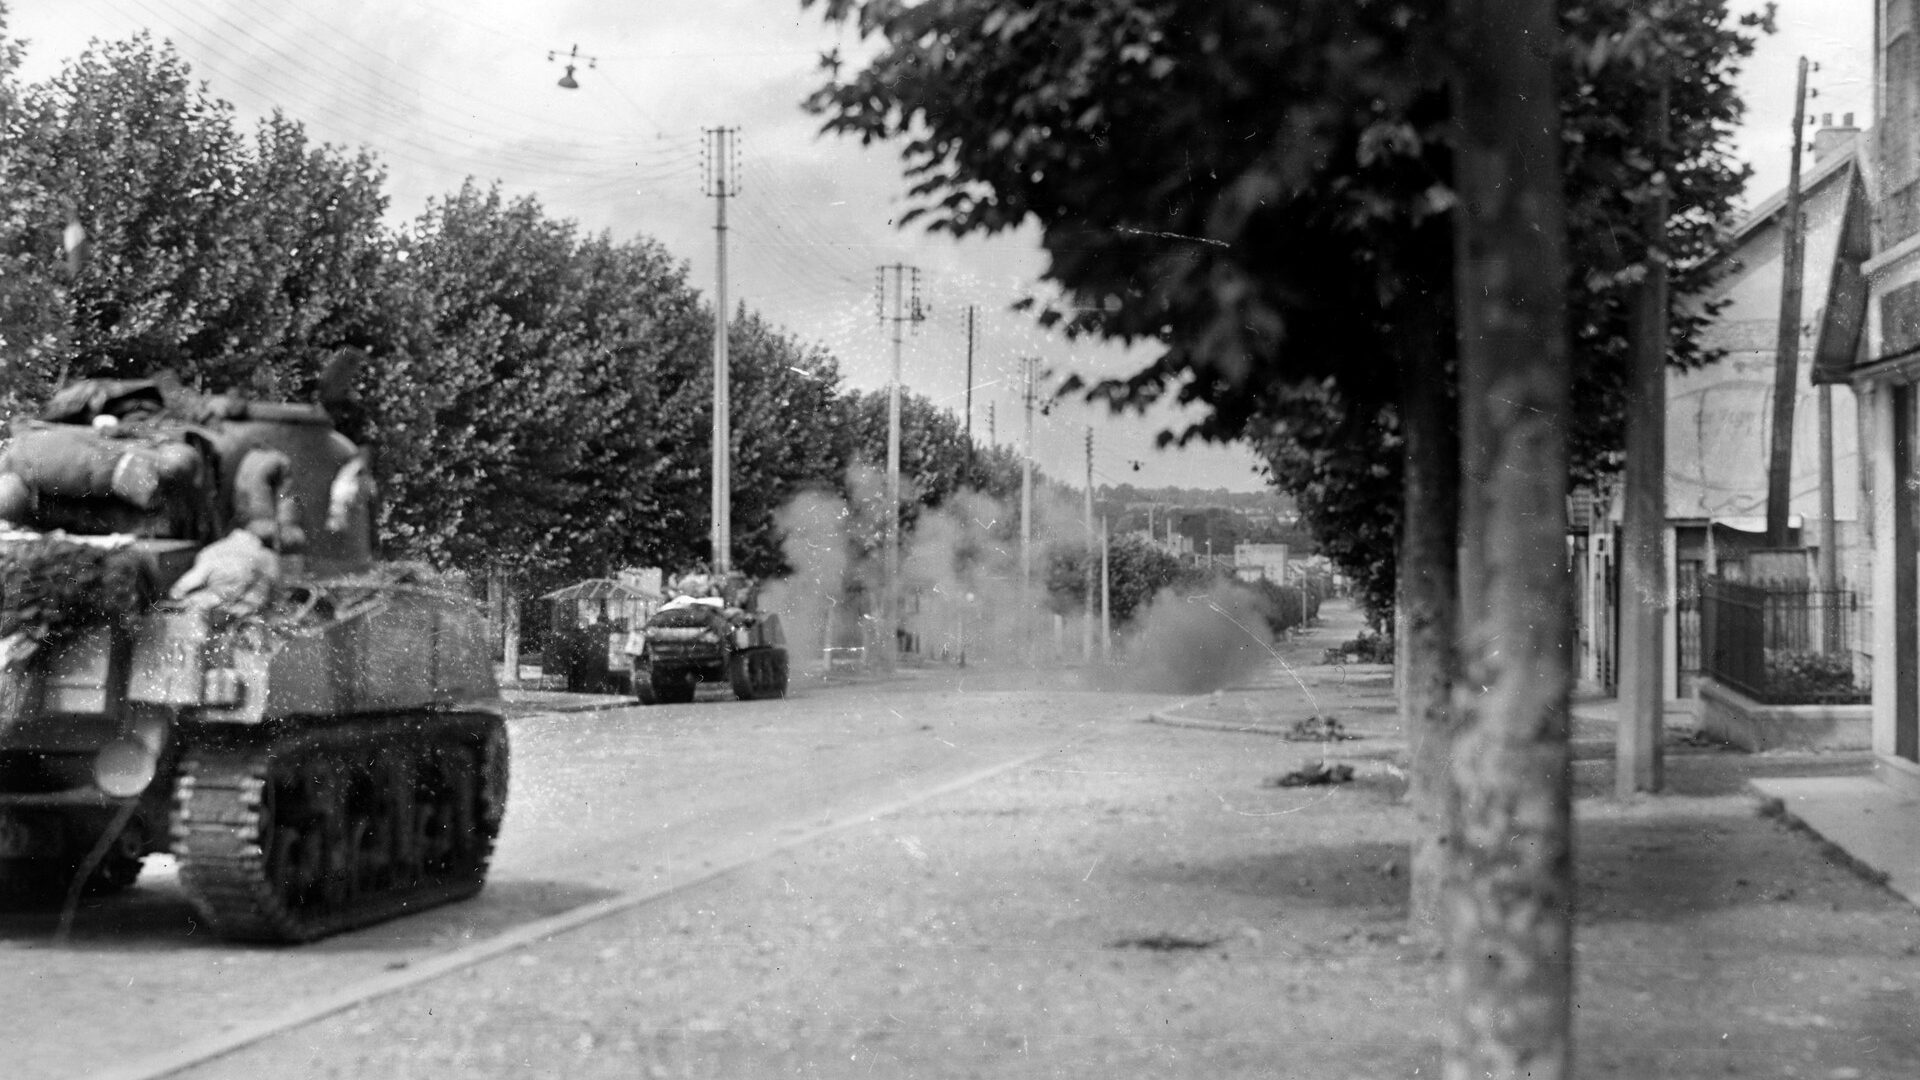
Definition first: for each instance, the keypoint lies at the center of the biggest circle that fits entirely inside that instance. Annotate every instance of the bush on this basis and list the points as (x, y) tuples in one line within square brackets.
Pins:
[(1289, 606), (1810, 678)]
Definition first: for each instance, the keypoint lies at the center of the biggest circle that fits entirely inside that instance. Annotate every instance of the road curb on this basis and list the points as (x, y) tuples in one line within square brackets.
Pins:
[(1362, 748), (530, 708)]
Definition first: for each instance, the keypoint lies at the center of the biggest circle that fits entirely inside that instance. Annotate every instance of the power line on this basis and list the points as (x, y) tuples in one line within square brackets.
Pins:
[(329, 95)]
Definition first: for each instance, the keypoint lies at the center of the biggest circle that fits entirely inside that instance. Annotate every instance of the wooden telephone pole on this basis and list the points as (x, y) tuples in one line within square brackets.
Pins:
[(1027, 364), (1786, 364), (907, 310), (1639, 760), (722, 183), (1086, 636)]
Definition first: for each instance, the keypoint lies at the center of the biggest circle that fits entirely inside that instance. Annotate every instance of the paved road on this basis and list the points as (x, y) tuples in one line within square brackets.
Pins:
[(607, 809)]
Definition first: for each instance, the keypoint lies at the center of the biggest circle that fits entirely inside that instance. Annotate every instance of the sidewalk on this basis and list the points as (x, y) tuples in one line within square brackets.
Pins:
[(1873, 825), (1829, 794)]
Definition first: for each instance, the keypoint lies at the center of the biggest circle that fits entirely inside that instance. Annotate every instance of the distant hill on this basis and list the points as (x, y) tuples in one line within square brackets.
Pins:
[(1271, 501)]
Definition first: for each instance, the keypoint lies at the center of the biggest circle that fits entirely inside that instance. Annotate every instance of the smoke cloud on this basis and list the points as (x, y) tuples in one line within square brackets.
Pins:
[(969, 596), (1193, 643)]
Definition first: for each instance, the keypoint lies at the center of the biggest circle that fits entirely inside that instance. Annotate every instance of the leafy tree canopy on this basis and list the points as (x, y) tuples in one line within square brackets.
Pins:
[(1264, 189)]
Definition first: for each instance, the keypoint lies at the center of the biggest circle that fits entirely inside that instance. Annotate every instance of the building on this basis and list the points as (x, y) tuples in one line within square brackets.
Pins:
[(1719, 421), (1878, 307), (1253, 562)]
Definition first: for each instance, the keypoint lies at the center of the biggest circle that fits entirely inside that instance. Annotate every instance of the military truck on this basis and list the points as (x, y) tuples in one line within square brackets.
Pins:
[(711, 632), (200, 653)]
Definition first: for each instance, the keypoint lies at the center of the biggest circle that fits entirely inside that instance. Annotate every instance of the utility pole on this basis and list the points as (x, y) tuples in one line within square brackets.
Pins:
[(1026, 490), (1829, 567), (1106, 595), (1639, 758), (970, 311), (1086, 636), (1786, 365), (722, 181), (906, 310)]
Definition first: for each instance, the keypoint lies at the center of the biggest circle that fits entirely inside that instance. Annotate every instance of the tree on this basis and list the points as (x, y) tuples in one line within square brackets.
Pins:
[(30, 331), (308, 242), (536, 403), (1266, 190), (235, 264), (122, 143), (487, 277), (1137, 569), (1511, 818), (788, 416), (933, 450), (1609, 173), (1338, 458)]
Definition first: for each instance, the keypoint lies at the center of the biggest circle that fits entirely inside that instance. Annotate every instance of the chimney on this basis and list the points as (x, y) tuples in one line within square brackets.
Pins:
[(1831, 140)]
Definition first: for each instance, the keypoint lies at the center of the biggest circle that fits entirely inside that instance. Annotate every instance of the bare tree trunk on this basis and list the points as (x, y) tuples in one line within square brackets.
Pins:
[(1510, 912), (1428, 585)]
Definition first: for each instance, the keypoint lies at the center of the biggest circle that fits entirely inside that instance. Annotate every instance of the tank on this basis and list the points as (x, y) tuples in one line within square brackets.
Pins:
[(200, 654), (711, 632)]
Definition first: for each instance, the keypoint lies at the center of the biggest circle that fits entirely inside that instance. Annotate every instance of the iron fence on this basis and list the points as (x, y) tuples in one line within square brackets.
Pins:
[(1785, 642)]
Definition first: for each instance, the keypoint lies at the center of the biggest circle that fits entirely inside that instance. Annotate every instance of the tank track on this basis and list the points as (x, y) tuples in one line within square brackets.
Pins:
[(293, 832), (758, 673)]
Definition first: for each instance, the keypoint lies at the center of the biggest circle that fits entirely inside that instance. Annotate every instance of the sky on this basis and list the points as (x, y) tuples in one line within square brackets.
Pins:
[(443, 90)]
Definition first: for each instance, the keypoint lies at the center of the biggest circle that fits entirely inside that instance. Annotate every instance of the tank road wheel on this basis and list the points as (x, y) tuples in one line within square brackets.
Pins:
[(306, 861), (447, 794), (671, 687), (120, 866), (777, 673), (290, 838), (382, 820), (743, 671)]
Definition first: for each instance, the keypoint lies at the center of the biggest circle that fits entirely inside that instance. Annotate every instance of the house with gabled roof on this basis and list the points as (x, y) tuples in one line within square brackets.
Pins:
[(1719, 421)]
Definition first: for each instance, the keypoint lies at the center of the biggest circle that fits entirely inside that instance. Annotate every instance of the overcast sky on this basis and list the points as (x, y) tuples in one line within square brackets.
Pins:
[(445, 89)]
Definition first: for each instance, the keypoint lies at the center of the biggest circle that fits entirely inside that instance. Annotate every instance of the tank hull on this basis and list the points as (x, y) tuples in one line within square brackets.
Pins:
[(692, 645)]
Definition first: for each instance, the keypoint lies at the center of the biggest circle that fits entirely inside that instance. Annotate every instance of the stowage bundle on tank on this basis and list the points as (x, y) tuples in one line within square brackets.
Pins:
[(200, 654)]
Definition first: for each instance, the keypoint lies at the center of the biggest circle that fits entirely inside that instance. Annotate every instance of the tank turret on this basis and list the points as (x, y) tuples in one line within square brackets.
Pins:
[(200, 653)]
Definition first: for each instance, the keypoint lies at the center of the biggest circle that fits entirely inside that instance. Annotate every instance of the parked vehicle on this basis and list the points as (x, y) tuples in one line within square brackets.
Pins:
[(589, 624)]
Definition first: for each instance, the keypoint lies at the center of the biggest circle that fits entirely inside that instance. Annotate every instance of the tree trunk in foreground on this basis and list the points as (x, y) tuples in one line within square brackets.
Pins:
[(1428, 583), (1510, 908)]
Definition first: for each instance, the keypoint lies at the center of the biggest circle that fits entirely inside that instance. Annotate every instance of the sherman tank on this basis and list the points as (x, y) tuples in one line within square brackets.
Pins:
[(711, 631), (200, 654)]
